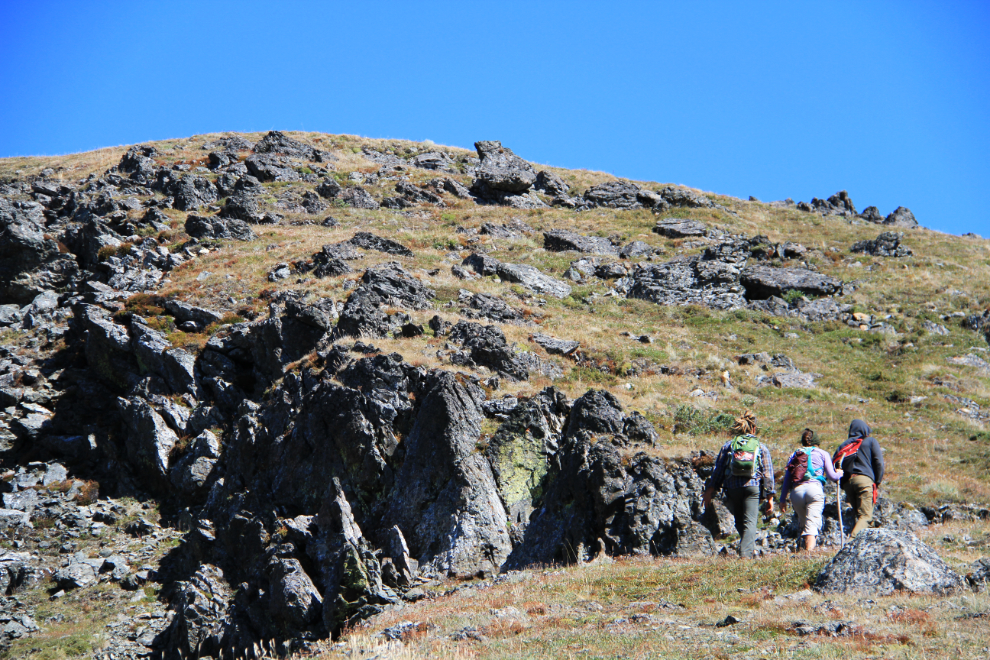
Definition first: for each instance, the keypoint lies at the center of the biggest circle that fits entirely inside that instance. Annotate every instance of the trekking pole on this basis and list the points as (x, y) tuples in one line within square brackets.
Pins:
[(838, 506)]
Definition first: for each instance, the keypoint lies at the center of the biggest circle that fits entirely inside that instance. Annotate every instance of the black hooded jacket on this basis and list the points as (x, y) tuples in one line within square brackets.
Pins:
[(868, 460)]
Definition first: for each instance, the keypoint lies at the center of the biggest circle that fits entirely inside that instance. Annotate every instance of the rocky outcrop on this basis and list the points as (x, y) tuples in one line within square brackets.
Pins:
[(880, 562), (592, 503), (218, 228), (531, 278), (887, 244), (560, 240), (901, 217), (764, 281), (449, 510)]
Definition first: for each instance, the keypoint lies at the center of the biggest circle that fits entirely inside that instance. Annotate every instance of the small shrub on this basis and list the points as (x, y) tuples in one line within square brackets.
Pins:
[(792, 296), (700, 422), (108, 251), (89, 491)]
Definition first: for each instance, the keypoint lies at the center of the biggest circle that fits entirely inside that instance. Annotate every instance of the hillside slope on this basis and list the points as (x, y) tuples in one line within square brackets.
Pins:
[(318, 371)]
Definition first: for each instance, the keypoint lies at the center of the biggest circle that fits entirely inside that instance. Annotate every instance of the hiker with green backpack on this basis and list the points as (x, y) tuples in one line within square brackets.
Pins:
[(804, 479), (744, 471)]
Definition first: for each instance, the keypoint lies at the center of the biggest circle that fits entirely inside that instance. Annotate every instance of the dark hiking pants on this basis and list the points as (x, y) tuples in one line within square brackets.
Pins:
[(744, 505)]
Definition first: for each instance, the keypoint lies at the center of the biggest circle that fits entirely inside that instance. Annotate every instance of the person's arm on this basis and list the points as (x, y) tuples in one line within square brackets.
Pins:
[(830, 472), (878, 465), (766, 483)]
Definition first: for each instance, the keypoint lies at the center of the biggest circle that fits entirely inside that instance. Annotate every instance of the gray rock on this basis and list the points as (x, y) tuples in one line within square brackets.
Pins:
[(294, 598), (191, 192), (270, 167), (901, 217), (491, 308), (887, 244), (76, 575), (11, 518), (191, 473), (186, 312), (683, 197), (558, 346), (357, 197), (201, 614), (762, 282), (692, 281), (614, 194), (533, 279), (369, 241), (217, 228), (880, 562), (550, 183), (149, 440), (481, 264), (10, 314), (279, 143), (449, 510), (500, 169), (680, 228), (636, 249), (872, 214), (486, 346), (559, 240), (979, 576)]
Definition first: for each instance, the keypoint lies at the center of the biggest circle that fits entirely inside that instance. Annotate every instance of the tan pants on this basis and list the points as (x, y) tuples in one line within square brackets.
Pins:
[(859, 492)]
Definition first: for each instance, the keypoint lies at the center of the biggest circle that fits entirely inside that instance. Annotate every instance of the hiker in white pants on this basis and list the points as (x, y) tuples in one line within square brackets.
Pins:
[(804, 479)]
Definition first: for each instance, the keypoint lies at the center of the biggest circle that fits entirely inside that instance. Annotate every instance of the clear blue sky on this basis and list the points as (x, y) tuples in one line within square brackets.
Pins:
[(889, 100)]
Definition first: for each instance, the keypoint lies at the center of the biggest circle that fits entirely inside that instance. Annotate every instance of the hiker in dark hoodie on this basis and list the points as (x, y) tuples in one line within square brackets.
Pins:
[(861, 460), (745, 472)]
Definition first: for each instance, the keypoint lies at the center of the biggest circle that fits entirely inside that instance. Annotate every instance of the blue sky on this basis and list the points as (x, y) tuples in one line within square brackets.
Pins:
[(888, 100)]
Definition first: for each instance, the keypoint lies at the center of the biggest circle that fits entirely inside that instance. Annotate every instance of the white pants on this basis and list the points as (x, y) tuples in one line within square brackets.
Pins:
[(808, 500)]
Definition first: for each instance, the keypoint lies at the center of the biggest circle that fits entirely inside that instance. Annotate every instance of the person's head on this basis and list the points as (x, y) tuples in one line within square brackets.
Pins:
[(810, 439), (745, 423), (859, 429)]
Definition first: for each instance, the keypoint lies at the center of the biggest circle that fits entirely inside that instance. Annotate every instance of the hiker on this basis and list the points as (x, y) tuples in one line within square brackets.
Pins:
[(861, 460), (744, 471), (805, 477)]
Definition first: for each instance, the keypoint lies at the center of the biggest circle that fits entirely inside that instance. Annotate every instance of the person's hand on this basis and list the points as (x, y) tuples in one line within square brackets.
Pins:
[(840, 473), (770, 507), (706, 498), (783, 507)]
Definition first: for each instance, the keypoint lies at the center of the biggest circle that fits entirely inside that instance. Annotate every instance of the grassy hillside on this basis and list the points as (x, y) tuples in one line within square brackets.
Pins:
[(903, 383)]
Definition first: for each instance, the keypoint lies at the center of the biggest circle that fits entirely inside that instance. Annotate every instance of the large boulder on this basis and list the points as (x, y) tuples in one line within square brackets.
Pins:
[(887, 244), (880, 562), (500, 169), (531, 278), (277, 142), (560, 240), (762, 282), (594, 502), (614, 194), (902, 218), (486, 346), (217, 228), (202, 614), (692, 281), (445, 500), (680, 228), (191, 192), (29, 258), (149, 439)]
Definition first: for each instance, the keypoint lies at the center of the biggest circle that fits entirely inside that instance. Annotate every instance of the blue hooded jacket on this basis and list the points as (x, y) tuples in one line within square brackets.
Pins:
[(868, 460)]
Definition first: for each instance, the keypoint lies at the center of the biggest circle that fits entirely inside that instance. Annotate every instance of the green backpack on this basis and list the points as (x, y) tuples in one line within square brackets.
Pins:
[(745, 455)]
